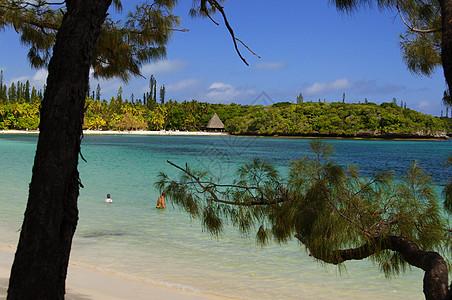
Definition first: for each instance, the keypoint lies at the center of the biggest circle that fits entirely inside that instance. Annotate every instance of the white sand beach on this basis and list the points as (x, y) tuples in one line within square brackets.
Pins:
[(136, 132), (83, 284)]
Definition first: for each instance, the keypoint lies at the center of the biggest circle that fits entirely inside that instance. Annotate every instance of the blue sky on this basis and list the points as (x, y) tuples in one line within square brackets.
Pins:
[(305, 46)]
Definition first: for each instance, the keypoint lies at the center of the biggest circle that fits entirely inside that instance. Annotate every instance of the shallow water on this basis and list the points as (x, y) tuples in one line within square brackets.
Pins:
[(132, 239)]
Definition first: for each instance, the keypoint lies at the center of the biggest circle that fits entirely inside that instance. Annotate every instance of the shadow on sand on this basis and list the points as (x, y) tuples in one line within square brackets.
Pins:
[(70, 295)]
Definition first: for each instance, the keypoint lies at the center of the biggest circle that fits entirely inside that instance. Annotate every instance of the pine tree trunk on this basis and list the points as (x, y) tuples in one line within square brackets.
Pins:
[(446, 46), (436, 279), (42, 256)]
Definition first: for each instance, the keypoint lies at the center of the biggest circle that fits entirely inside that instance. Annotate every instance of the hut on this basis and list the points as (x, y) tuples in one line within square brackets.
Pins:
[(215, 124)]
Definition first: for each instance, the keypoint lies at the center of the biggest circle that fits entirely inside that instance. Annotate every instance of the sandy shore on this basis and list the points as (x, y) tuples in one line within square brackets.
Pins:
[(137, 132), (83, 284)]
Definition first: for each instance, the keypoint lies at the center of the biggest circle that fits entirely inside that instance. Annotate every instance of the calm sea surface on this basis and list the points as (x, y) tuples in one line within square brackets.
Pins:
[(134, 240)]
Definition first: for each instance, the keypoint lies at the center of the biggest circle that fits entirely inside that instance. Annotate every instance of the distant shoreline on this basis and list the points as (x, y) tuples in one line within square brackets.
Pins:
[(126, 132), (387, 136)]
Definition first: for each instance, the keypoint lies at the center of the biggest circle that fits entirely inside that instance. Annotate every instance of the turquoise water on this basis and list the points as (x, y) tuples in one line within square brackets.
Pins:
[(134, 240)]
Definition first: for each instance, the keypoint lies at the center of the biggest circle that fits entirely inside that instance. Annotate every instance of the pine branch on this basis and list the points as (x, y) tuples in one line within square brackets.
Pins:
[(220, 8), (340, 256), (413, 29), (209, 187), (409, 250)]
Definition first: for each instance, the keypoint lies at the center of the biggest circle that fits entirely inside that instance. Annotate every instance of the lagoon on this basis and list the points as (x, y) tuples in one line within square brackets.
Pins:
[(133, 240)]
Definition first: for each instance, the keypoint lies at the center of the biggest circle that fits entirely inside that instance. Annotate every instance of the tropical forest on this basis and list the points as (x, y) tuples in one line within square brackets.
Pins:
[(20, 106)]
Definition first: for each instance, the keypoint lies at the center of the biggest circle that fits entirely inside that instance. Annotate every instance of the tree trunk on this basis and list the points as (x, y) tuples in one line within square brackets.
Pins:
[(433, 264), (446, 46), (42, 256), (435, 285)]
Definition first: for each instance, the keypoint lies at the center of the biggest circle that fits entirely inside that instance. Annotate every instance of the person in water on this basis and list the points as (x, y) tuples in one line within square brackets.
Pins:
[(161, 201), (108, 200)]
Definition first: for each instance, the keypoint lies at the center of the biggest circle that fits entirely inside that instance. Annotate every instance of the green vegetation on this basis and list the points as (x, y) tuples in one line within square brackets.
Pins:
[(19, 106), (19, 109), (335, 212), (337, 119)]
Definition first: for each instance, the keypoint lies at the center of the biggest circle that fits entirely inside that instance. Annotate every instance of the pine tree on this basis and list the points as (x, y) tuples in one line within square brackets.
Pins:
[(427, 40), (151, 97), (98, 92), (70, 38), (3, 96), (19, 91), (300, 98), (155, 93), (12, 93), (162, 94), (335, 212), (27, 91), (119, 95), (34, 95)]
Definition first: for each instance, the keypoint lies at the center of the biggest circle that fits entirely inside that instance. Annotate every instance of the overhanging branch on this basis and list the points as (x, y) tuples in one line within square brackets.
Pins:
[(220, 8), (413, 29), (209, 187)]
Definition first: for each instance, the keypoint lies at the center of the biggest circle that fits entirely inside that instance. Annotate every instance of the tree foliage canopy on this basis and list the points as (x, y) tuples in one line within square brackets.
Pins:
[(337, 213), (123, 46), (421, 41)]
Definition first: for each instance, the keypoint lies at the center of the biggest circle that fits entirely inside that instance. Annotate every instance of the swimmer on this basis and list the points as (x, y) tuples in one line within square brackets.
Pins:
[(108, 200), (161, 201)]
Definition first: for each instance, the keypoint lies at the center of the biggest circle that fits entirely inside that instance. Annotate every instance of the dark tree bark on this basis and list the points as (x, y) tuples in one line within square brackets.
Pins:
[(436, 274), (446, 46), (435, 267), (40, 265)]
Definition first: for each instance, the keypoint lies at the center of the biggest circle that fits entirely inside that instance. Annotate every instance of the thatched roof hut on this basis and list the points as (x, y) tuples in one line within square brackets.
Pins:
[(215, 123)]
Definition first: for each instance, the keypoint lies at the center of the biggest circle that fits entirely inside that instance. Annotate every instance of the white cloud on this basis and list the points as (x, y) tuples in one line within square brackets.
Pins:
[(269, 66), (221, 86), (40, 77), (326, 87), (21, 79), (423, 105), (429, 107), (182, 85), (38, 80), (164, 66), (219, 91)]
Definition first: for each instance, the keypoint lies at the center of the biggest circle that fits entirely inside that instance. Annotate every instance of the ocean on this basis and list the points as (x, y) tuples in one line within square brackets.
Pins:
[(132, 239)]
